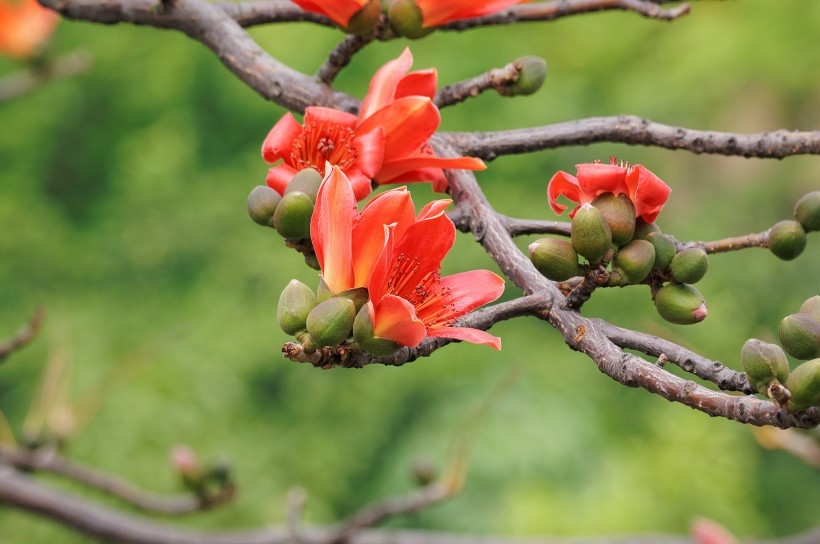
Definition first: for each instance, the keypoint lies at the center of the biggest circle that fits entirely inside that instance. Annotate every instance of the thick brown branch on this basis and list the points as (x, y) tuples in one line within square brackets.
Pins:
[(212, 26), (629, 129), (514, 225), (341, 56), (23, 336), (549, 11), (51, 461), (495, 78), (29, 79)]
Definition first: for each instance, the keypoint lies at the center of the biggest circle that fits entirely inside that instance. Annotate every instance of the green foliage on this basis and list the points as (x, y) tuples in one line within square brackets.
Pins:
[(122, 200)]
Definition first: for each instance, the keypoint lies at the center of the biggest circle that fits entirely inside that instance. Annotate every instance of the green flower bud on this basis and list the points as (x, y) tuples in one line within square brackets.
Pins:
[(554, 258), (262, 203), (787, 240), (800, 336), (330, 322), (312, 261), (364, 21), (643, 229), (665, 250), (807, 211), (690, 265), (764, 363), (812, 307), (590, 233), (634, 261), (680, 303), (619, 212), (358, 295), (305, 181), (323, 292), (295, 303), (406, 19), (292, 216), (530, 78), (367, 341), (804, 385)]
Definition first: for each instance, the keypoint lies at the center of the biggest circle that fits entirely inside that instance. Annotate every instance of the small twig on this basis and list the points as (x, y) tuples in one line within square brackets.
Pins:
[(549, 11), (494, 78), (23, 336), (760, 239), (33, 77), (515, 226), (340, 57), (633, 130), (49, 460), (596, 277)]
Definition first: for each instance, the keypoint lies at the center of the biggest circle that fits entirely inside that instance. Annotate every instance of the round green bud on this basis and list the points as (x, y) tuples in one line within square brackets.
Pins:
[(812, 307), (665, 250), (554, 258), (634, 261), (680, 303), (643, 229), (323, 292), (366, 340), (619, 212), (763, 363), (804, 385), (800, 336), (690, 265), (330, 322), (364, 21), (305, 181), (295, 303), (590, 233), (292, 216), (807, 211), (406, 19), (787, 240), (531, 76), (358, 295), (262, 203)]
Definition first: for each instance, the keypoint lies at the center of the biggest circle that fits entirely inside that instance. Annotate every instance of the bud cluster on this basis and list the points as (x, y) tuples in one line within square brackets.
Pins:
[(767, 367), (290, 213), (607, 233), (326, 319), (787, 239)]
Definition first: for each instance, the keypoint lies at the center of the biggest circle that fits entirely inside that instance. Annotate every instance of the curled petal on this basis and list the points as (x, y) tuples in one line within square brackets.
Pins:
[(331, 228), (562, 184), (597, 178), (339, 11), (280, 138), (474, 336), (362, 186), (279, 176), (435, 176), (439, 12), (395, 319), (395, 169), (408, 122), (384, 83), (647, 192), (419, 83)]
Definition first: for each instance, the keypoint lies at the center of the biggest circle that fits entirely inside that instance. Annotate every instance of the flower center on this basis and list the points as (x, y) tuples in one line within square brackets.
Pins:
[(322, 142), (424, 292)]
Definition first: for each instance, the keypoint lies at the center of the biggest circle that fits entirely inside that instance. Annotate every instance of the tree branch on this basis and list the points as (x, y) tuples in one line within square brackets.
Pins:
[(212, 26), (495, 78), (51, 461), (270, 11), (632, 130), (23, 336), (549, 11), (341, 56)]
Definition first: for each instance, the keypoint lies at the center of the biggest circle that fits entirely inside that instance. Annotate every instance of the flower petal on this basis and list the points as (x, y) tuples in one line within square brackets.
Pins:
[(408, 123), (279, 176), (418, 83), (370, 148), (362, 185), (400, 167), (647, 192), (339, 11), (422, 248), (474, 336), (395, 319), (464, 292), (438, 12), (597, 178), (331, 228), (279, 140), (562, 184), (391, 207), (384, 83), (320, 115)]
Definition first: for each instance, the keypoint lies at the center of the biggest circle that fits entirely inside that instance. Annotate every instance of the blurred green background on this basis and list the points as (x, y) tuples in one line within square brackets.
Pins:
[(122, 213)]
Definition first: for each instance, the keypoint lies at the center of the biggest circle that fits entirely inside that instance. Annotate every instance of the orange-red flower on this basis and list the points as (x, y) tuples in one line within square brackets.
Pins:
[(24, 26), (397, 256), (386, 142), (338, 11), (439, 12), (645, 189)]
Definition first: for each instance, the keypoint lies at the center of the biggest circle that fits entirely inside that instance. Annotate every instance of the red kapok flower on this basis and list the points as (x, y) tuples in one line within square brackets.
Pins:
[(397, 256), (24, 26), (439, 12), (386, 142), (338, 11), (402, 104), (646, 190)]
